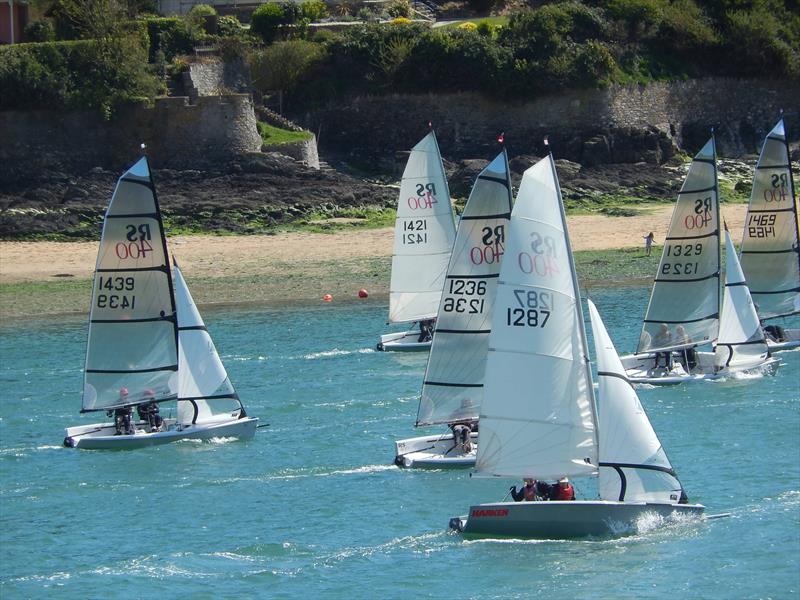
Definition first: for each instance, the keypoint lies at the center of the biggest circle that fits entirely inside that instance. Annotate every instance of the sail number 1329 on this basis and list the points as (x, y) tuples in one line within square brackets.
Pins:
[(533, 310)]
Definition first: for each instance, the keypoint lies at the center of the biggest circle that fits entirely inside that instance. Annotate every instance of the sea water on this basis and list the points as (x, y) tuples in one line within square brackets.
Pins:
[(313, 507)]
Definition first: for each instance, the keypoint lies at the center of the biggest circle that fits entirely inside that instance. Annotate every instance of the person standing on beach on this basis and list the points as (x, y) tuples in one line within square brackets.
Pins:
[(648, 243)]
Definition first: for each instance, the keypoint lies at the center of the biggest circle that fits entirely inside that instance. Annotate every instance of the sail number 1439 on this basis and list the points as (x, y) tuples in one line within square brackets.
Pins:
[(533, 310)]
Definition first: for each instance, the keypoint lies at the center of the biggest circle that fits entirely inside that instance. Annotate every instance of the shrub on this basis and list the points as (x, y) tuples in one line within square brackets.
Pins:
[(40, 31), (202, 10), (399, 8), (641, 17), (281, 66), (229, 26), (172, 36), (75, 74), (400, 21), (469, 26), (685, 27), (266, 21), (592, 64), (313, 10)]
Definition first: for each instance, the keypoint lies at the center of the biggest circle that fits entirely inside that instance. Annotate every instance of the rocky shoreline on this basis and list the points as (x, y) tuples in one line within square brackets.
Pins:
[(263, 191)]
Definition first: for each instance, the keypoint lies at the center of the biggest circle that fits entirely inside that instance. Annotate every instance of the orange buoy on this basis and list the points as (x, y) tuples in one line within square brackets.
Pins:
[(327, 298), (362, 293)]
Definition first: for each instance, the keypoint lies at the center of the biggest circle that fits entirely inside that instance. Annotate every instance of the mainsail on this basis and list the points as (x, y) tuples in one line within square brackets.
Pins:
[(741, 339), (204, 389), (132, 350), (684, 304), (537, 418), (453, 386), (770, 248), (633, 464), (423, 236)]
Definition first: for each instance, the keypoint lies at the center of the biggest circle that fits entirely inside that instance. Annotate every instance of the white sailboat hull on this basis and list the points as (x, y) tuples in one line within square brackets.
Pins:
[(641, 368), (791, 339), (405, 341), (101, 436), (434, 452), (566, 519)]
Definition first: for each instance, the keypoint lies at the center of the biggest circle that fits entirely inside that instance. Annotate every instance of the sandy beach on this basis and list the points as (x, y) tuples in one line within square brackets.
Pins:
[(279, 268)]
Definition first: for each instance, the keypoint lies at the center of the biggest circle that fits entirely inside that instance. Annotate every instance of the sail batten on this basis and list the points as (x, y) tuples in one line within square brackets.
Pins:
[(452, 388), (770, 252), (423, 236)]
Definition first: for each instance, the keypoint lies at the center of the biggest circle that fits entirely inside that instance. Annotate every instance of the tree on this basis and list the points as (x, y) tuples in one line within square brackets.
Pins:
[(282, 65)]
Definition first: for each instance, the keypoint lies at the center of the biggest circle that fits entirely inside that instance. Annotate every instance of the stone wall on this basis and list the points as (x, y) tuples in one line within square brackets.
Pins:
[(214, 77), (179, 135), (616, 124)]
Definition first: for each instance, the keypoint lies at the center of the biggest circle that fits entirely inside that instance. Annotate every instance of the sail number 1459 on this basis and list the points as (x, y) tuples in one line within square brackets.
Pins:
[(533, 310)]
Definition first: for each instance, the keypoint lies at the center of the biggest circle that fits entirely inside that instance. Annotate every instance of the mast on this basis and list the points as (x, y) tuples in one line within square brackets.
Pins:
[(452, 388), (578, 309), (131, 351), (686, 289), (770, 252), (423, 235)]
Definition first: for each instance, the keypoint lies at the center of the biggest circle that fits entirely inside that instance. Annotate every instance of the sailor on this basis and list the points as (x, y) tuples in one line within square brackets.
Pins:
[(562, 491), (529, 491), (425, 330), (122, 415), (661, 339), (148, 411), (461, 436)]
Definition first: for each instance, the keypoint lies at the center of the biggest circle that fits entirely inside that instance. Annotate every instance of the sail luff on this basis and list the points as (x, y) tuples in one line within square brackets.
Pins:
[(578, 310), (452, 388), (770, 253), (686, 292)]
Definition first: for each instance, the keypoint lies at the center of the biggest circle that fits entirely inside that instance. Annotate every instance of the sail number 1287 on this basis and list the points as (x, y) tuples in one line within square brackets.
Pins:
[(533, 310)]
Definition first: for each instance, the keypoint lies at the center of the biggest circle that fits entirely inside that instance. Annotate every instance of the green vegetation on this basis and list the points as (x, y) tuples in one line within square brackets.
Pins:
[(272, 136), (124, 52)]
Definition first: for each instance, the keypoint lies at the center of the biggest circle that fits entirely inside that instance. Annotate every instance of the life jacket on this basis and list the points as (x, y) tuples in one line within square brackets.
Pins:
[(530, 492), (567, 493)]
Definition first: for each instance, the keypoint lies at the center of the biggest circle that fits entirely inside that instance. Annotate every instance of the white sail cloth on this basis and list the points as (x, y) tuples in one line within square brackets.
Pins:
[(633, 464), (741, 339), (423, 236), (537, 417), (684, 304), (770, 250), (453, 385), (204, 388), (131, 354)]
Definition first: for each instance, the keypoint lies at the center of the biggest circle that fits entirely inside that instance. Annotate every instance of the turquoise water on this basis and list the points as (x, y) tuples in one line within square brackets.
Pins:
[(313, 507)]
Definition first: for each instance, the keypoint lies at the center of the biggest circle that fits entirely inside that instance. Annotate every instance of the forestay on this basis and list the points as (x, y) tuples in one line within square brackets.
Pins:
[(770, 250), (684, 304), (133, 338), (453, 385), (633, 464), (423, 236), (204, 388), (741, 339), (538, 416)]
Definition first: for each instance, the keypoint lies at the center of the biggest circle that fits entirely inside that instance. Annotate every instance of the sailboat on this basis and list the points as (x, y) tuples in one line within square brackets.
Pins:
[(684, 309), (453, 385), (538, 418), (770, 253), (147, 344), (424, 232)]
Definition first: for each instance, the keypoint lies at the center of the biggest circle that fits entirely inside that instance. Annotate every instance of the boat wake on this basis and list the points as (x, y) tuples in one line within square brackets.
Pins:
[(336, 352)]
